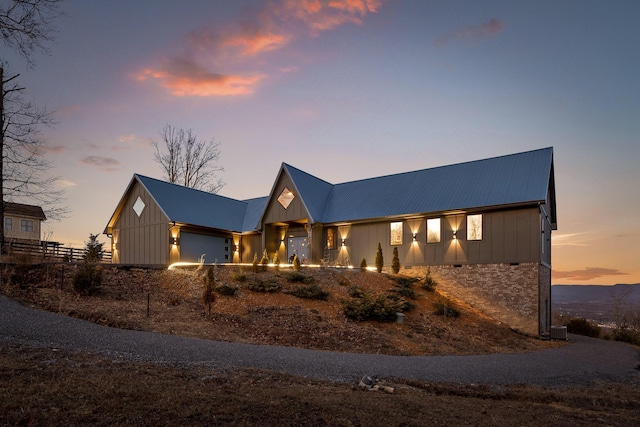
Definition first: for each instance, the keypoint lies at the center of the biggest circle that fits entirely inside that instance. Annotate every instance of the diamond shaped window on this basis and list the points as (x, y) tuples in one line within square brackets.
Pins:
[(285, 198), (138, 206)]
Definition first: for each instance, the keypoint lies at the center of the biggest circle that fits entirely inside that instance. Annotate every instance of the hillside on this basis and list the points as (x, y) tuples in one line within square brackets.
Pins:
[(171, 302)]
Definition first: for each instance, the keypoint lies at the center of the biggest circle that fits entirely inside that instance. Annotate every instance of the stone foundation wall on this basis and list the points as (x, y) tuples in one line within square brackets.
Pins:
[(508, 293)]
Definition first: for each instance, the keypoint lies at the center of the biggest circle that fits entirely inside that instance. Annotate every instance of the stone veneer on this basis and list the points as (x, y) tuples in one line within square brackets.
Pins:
[(508, 293)]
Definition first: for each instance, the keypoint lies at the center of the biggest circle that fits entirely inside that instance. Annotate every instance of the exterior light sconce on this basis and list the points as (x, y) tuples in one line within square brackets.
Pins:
[(344, 243), (114, 246), (455, 234), (414, 237), (236, 248), (175, 241)]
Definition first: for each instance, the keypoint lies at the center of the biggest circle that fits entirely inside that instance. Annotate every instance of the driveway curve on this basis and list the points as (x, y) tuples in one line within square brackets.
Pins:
[(582, 362)]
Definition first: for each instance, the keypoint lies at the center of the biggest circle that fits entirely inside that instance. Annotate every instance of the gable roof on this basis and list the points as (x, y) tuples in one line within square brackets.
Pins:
[(194, 207), (515, 179), (20, 209), (512, 180)]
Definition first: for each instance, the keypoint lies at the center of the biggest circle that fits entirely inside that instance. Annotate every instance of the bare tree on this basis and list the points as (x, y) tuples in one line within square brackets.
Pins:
[(26, 25), (187, 161), (24, 167)]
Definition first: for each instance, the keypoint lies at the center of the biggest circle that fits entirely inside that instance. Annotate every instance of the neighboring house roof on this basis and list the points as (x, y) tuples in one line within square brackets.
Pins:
[(19, 209), (516, 179)]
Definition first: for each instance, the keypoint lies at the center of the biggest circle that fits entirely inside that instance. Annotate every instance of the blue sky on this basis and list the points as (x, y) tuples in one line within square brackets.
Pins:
[(353, 89)]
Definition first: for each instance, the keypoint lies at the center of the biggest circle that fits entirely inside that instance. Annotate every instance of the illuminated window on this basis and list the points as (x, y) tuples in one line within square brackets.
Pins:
[(26, 225), (285, 198), (433, 230), (474, 227), (8, 223), (396, 233), (331, 238)]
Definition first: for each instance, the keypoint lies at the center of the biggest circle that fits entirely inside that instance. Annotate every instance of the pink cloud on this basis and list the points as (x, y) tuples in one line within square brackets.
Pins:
[(104, 164), (198, 70), (588, 273), (56, 149), (475, 33)]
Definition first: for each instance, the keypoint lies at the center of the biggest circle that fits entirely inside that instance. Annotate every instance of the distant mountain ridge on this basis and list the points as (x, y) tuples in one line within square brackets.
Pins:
[(595, 302)]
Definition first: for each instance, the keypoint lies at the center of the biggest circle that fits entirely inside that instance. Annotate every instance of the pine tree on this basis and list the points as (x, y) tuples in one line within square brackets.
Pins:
[(363, 265), (379, 259), (93, 249), (395, 262)]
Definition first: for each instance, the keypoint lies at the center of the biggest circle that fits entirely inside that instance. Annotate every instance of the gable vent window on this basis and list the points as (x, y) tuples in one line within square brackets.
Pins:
[(285, 198), (138, 206), (474, 227)]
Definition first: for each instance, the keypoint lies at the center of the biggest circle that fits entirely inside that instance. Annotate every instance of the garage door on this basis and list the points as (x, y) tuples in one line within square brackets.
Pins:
[(212, 248)]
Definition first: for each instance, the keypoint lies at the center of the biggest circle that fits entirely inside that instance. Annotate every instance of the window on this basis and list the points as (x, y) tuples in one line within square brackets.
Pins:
[(331, 238), (26, 225), (474, 227), (433, 230), (396, 233), (8, 223), (138, 206), (285, 198)]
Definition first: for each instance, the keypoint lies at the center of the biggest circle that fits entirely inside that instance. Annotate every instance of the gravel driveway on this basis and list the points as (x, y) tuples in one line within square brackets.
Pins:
[(581, 363)]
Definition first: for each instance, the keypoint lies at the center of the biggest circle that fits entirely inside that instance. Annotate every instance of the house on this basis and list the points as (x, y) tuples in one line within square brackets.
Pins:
[(483, 228), (22, 222)]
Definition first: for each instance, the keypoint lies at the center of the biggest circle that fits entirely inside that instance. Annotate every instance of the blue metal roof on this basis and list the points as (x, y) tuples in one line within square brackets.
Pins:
[(313, 191), (195, 207), (514, 179)]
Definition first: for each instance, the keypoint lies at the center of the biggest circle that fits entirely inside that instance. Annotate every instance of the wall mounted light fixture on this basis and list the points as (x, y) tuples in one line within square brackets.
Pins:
[(344, 242), (455, 234), (175, 241), (414, 237)]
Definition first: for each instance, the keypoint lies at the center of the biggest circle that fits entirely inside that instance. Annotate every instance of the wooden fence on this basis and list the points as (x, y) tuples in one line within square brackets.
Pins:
[(51, 251)]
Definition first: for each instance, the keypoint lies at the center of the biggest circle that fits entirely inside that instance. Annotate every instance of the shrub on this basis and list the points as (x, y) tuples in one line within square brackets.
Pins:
[(356, 292), (429, 284), (295, 276), (87, 280), (381, 308), (224, 289), (208, 297), (239, 276), (296, 263), (363, 265), (379, 259), (395, 261), (445, 308), (401, 304), (255, 263), (276, 260), (93, 249), (310, 292), (626, 334), (265, 260), (581, 326), (271, 285), (404, 286)]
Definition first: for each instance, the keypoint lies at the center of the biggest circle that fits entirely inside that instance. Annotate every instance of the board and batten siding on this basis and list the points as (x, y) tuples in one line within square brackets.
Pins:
[(275, 213), (142, 240), (508, 236)]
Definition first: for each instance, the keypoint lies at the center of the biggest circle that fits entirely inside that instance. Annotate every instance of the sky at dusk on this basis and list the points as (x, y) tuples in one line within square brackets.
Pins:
[(351, 89)]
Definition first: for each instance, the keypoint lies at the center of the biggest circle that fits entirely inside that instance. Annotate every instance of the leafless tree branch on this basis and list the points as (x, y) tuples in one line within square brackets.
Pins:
[(187, 161)]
